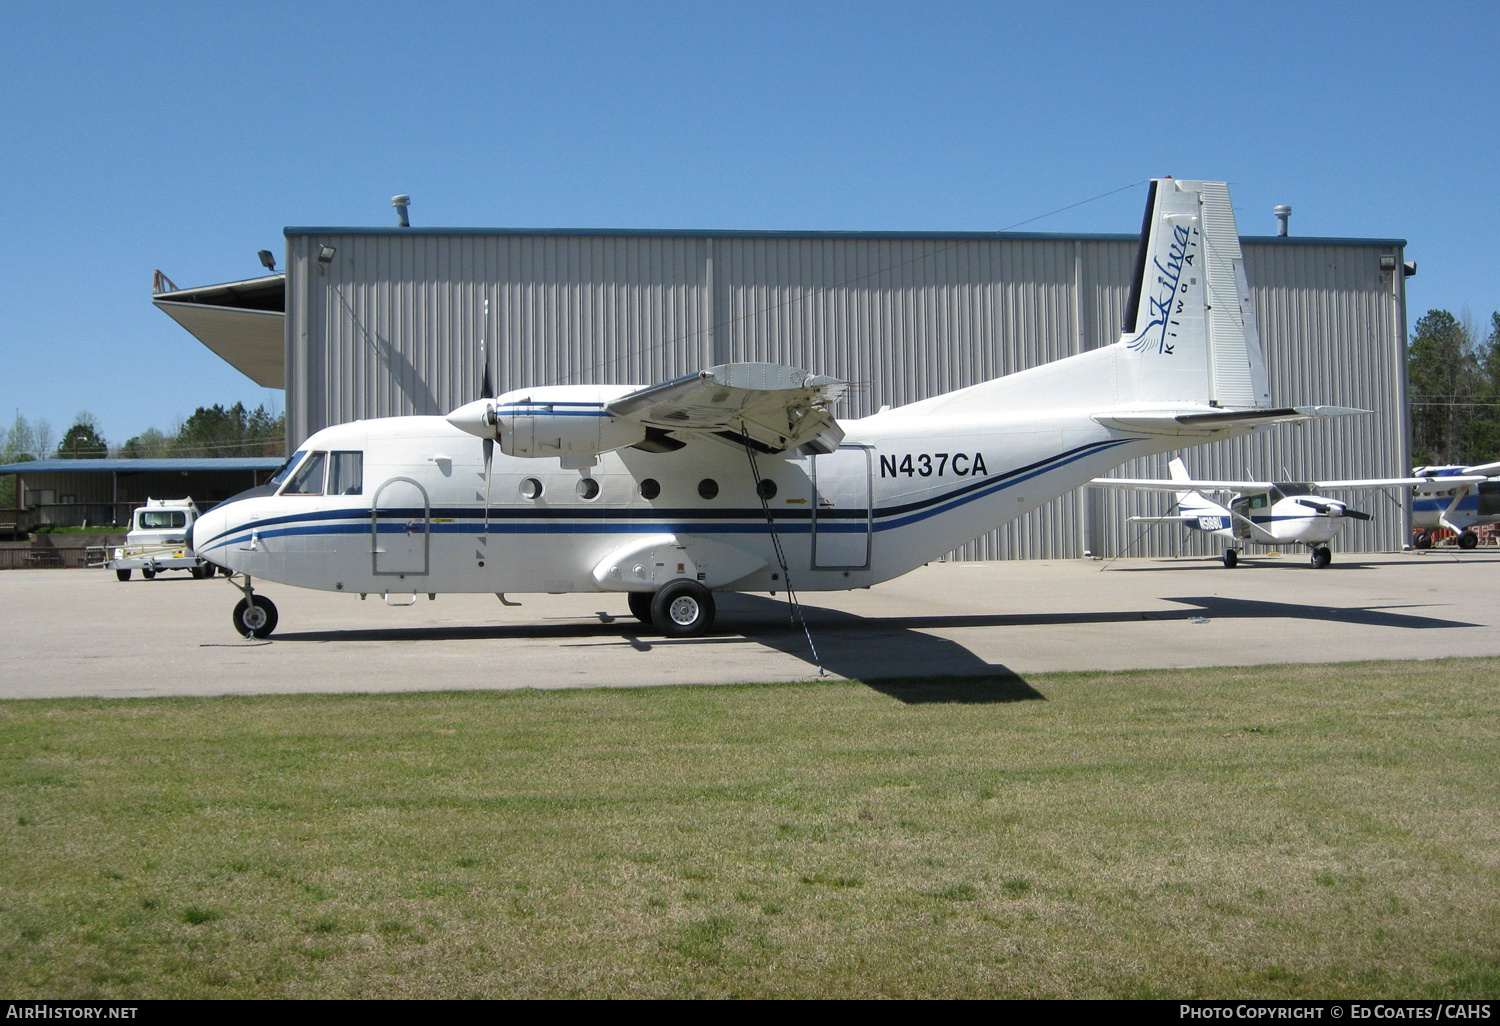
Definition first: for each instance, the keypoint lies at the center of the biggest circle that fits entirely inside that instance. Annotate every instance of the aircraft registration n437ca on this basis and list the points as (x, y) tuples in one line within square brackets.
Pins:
[(738, 476)]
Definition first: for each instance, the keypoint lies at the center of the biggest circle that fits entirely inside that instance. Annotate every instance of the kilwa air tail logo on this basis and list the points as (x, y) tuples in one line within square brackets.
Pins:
[(1170, 292)]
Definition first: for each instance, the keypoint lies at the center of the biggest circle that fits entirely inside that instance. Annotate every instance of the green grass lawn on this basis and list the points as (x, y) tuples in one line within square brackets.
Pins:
[(1277, 831)]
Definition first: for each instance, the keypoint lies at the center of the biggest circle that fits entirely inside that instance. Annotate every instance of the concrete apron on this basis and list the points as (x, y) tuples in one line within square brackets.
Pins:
[(74, 633)]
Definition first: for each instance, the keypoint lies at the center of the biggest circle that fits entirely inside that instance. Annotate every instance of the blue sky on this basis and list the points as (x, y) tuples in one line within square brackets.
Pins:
[(184, 137)]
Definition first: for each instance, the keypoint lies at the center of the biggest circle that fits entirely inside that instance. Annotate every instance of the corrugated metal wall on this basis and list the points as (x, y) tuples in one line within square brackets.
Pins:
[(391, 325)]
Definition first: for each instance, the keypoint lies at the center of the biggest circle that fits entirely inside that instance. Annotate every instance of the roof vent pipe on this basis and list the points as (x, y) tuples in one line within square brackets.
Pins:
[(1283, 212), (402, 202)]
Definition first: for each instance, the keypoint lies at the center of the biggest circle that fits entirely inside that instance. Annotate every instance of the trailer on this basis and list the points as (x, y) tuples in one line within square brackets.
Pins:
[(158, 542)]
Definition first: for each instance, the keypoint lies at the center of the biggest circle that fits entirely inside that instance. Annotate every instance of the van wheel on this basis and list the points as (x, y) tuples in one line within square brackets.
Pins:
[(148, 573), (683, 609), (640, 604), (255, 617), (122, 575)]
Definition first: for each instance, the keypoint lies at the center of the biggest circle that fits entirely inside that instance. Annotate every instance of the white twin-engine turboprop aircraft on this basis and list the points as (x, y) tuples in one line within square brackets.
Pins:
[(738, 478), (1260, 512)]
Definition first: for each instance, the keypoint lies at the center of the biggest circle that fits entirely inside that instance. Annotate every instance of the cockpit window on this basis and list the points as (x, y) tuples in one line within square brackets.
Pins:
[(286, 468), (346, 473), (308, 480)]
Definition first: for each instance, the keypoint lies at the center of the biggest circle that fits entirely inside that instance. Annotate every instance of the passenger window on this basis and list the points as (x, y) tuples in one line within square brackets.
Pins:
[(346, 473), (308, 480)]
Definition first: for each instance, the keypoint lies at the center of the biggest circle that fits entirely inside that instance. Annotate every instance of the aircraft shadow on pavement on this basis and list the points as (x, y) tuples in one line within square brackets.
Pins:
[(894, 655)]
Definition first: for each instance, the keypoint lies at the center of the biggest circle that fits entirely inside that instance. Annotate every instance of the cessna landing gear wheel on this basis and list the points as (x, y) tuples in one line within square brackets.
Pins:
[(1321, 557), (123, 575), (1231, 557), (255, 617), (640, 605), (683, 609), (1468, 540), (1422, 540), (148, 573)]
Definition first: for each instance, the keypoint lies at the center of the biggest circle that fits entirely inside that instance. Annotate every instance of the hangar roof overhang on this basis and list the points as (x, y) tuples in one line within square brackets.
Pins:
[(170, 465), (244, 322)]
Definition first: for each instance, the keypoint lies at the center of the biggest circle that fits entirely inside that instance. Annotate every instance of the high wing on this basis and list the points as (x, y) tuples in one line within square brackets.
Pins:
[(1159, 485), (1393, 482), (778, 408), (1483, 470)]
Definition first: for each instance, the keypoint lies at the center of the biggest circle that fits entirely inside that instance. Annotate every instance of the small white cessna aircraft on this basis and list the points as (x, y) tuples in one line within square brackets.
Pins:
[(1457, 498), (736, 477), (1269, 513)]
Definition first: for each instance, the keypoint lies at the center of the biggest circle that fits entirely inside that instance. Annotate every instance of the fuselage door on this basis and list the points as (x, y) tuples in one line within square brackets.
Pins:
[(842, 515), (400, 526)]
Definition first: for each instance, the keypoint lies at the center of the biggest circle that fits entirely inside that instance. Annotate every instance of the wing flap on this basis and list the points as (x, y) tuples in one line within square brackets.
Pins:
[(778, 407)]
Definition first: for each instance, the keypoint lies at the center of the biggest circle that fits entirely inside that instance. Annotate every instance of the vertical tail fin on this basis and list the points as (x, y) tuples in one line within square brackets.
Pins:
[(1189, 326), (1179, 472)]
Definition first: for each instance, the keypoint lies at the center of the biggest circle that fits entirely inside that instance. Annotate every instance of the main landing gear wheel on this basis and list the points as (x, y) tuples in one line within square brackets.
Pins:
[(255, 617), (640, 604), (123, 575), (1231, 557), (1321, 557), (683, 609), (1422, 540), (1468, 540)]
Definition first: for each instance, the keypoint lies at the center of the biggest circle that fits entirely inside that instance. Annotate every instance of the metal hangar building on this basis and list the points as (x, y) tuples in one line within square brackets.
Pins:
[(375, 322)]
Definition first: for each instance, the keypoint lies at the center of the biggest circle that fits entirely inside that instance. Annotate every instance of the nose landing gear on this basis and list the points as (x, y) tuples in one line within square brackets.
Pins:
[(1321, 557), (255, 615)]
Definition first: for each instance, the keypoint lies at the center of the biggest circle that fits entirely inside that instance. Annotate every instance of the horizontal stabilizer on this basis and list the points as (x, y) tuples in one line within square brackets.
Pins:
[(1211, 422)]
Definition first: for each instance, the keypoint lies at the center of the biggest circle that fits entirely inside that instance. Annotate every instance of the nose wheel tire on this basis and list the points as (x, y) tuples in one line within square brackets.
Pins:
[(1422, 540), (1231, 557), (255, 617), (640, 605), (1468, 540), (1321, 557), (683, 609)]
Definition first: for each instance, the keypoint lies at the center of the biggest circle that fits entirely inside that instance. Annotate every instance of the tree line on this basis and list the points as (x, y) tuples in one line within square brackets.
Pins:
[(210, 431), (1453, 386)]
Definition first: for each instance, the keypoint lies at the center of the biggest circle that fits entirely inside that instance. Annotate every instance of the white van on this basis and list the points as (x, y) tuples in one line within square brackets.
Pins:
[(158, 541)]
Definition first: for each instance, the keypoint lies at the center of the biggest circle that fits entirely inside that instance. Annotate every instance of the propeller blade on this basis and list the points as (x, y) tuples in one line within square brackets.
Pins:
[(489, 457), (1356, 514), (486, 389), (1321, 507)]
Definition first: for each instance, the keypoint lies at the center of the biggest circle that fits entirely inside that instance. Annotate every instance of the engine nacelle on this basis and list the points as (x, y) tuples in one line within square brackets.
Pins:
[(562, 429), (567, 422)]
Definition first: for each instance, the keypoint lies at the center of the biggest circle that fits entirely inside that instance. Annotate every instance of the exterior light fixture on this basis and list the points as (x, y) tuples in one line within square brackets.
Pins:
[(325, 254), (267, 260)]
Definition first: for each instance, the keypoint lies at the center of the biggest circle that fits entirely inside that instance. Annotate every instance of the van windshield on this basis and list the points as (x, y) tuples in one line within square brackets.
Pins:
[(158, 519)]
